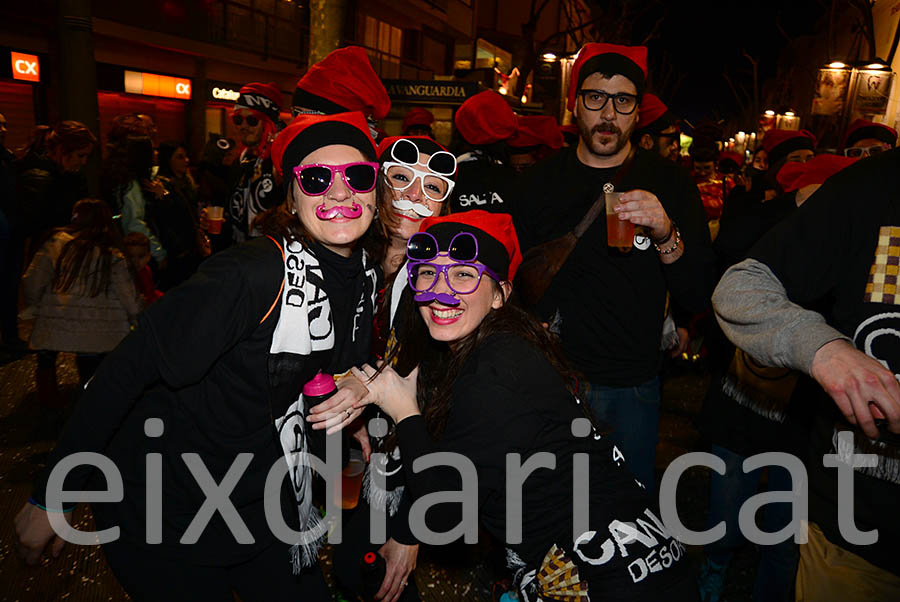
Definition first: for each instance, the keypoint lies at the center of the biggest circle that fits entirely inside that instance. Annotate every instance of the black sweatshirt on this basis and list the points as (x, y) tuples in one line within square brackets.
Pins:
[(509, 399), (199, 360), (611, 304), (840, 248)]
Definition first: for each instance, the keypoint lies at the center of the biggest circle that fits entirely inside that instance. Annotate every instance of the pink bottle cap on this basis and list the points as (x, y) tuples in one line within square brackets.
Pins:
[(322, 384)]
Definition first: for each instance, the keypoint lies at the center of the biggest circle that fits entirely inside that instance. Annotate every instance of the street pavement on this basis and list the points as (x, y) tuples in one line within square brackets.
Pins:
[(462, 573)]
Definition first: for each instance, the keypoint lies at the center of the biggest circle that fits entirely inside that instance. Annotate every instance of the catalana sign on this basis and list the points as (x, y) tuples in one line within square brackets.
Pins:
[(430, 91)]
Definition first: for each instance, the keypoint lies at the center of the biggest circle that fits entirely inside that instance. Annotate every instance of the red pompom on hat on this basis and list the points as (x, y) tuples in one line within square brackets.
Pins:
[(498, 245), (794, 176), (779, 143), (485, 118), (611, 59), (536, 131), (417, 117), (862, 129), (265, 99), (307, 133), (343, 81)]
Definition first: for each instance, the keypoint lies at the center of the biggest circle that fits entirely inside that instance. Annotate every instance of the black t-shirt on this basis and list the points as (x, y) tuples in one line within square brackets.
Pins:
[(843, 247), (610, 304), (508, 399), (482, 184)]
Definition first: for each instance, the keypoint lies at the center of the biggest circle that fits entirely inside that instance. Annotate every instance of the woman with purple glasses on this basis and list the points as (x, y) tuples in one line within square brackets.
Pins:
[(478, 377), (206, 391)]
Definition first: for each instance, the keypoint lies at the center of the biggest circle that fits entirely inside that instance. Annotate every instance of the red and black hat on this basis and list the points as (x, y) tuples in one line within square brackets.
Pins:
[(265, 99), (307, 133), (343, 81), (794, 176), (535, 131), (778, 144), (417, 117), (862, 129), (485, 118), (608, 59), (654, 116), (498, 245)]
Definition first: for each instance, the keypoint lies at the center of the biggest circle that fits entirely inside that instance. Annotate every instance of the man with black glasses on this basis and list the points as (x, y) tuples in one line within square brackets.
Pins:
[(606, 303)]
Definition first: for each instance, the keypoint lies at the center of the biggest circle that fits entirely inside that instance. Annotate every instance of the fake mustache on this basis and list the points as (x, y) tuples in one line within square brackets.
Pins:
[(351, 212), (429, 296), (420, 209)]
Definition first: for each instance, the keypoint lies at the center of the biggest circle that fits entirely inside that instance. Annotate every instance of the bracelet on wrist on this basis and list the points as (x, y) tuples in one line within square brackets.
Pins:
[(674, 246), (667, 237)]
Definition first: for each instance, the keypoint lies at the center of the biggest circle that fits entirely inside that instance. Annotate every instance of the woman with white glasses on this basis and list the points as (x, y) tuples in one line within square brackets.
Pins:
[(417, 175)]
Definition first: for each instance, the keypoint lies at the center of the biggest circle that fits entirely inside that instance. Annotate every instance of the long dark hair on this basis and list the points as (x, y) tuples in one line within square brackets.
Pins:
[(130, 158), (439, 367), (92, 228)]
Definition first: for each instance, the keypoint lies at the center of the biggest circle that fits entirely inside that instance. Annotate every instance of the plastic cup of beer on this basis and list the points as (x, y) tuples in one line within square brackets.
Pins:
[(351, 480), (216, 217), (619, 233)]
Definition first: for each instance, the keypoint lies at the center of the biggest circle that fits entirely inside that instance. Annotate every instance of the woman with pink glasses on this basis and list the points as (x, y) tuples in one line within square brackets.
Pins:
[(206, 392)]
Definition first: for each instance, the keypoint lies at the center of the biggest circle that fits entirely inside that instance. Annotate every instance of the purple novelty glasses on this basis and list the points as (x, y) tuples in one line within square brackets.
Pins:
[(463, 276)]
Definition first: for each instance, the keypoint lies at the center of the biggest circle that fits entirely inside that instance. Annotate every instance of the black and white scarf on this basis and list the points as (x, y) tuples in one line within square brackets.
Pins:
[(305, 326)]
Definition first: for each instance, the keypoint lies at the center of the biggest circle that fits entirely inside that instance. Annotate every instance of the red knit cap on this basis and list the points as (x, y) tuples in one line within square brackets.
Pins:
[(264, 99), (485, 118), (343, 81), (794, 176), (612, 59), (779, 143), (307, 133), (417, 116), (862, 129), (537, 130), (498, 245)]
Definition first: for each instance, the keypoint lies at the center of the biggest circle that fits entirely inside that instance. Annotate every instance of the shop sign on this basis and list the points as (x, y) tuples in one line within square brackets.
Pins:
[(430, 91), (224, 94), (152, 84), (873, 90), (219, 91), (25, 67)]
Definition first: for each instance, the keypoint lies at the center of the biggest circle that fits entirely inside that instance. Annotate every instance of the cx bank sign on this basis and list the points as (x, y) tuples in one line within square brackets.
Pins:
[(25, 67)]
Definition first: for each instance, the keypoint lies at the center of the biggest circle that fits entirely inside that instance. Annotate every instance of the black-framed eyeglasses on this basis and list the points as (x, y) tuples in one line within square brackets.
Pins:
[(595, 100)]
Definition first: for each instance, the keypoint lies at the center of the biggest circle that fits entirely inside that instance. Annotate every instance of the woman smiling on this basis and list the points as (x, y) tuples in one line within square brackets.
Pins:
[(486, 381)]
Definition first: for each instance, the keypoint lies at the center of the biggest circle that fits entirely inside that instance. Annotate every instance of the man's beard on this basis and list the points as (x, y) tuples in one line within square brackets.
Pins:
[(611, 129)]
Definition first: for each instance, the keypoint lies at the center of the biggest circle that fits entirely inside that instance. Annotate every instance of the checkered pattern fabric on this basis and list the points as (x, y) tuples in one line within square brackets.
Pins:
[(882, 284)]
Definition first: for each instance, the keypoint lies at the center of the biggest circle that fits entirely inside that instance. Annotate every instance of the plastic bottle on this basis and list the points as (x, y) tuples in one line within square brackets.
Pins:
[(373, 569), (320, 388)]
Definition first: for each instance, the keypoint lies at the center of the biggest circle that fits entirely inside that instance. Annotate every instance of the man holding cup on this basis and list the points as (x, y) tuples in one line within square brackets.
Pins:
[(608, 300)]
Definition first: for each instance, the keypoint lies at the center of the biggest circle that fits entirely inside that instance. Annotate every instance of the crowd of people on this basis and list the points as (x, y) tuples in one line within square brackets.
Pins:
[(467, 304)]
